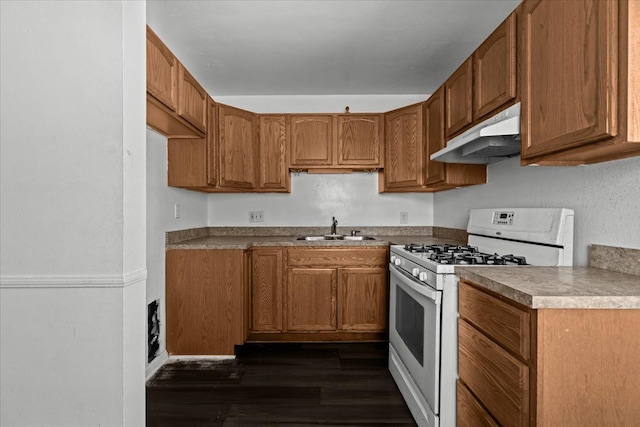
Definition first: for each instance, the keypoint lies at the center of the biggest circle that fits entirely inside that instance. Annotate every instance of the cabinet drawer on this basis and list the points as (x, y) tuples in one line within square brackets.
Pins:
[(470, 412), (506, 324), (316, 257), (499, 380)]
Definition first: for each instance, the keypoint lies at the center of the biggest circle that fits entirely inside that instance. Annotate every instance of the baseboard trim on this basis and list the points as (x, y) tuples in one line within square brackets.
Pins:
[(198, 357), (156, 364), (73, 281)]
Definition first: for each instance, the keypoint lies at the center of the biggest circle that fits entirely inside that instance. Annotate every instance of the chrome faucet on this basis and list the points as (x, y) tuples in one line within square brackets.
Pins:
[(334, 224)]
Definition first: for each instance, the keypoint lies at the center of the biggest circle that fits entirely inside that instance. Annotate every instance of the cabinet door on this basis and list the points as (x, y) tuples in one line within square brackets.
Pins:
[(192, 100), (404, 157), (496, 378), (311, 299), (267, 289), (359, 140), (162, 71), (311, 140), (187, 162), (236, 140), (569, 88), (213, 148), (470, 411), (362, 299), (274, 174), (205, 301), (458, 98), (494, 72), (434, 125)]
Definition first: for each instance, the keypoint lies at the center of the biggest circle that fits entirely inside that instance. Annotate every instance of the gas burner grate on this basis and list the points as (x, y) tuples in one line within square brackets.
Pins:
[(440, 249), (463, 255)]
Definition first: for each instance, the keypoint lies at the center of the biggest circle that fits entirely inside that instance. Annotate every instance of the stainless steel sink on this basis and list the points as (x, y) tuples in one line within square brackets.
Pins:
[(336, 237), (327, 237), (358, 238)]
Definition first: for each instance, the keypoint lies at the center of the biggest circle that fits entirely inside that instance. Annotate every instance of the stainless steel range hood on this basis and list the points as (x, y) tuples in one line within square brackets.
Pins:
[(496, 138)]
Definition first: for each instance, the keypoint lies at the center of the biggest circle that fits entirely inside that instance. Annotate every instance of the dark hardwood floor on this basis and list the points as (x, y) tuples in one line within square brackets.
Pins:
[(343, 384)]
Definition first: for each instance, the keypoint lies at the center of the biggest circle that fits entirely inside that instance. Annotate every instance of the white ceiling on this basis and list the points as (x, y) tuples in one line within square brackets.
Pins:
[(307, 47)]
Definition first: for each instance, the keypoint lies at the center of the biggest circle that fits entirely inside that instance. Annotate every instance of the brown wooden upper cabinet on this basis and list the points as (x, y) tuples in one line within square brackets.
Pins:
[(580, 88), (237, 148), (162, 72), (494, 70), (485, 82), (176, 103), (459, 90), (311, 140), (192, 99), (273, 153), (404, 149), (226, 160), (443, 176), (360, 140), (336, 141)]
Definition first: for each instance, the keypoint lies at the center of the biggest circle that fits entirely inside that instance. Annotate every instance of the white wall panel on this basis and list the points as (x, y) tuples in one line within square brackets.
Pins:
[(72, 186), (353, 199), (605, 197), (161, 200)]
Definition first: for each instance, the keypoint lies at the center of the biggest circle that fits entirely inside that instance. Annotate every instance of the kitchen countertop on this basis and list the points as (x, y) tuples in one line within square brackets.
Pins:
[(559, 287), (247, 242)]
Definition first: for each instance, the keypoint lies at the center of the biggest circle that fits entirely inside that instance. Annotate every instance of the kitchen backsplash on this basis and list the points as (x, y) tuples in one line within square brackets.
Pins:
[(624, 260), (194, 233)]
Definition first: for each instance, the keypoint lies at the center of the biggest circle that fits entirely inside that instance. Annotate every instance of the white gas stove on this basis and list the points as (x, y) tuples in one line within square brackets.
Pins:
[(423, 334)]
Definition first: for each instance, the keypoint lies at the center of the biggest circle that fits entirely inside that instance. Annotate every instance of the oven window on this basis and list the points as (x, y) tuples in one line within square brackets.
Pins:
[(410, 323)]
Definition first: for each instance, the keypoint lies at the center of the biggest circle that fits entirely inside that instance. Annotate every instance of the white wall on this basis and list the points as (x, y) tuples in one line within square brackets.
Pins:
[(353, 199), (72, 213), (314, 199), (161, 200), (605, 197)]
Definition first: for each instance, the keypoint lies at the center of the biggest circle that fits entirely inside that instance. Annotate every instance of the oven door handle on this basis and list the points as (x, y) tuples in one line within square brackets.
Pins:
[(410, 282)]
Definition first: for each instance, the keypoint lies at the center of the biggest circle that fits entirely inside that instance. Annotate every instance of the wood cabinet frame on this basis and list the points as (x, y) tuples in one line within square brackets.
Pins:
[(526, 367), (588, 111), (206, 308), (326, 142)]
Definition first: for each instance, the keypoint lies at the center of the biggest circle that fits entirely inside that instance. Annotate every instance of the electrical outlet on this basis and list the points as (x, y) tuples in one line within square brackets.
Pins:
[(404, 217), (256, 216), (176, 210)]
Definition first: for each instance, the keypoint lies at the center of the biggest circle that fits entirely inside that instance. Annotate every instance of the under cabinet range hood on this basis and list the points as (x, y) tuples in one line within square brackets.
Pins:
[(496, 138)]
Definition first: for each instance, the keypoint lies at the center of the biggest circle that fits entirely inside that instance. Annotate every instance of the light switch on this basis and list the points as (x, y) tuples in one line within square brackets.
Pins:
[(176, 210)]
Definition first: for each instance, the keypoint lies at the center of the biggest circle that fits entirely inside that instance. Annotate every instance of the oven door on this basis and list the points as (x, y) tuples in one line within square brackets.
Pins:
[(414, 332)]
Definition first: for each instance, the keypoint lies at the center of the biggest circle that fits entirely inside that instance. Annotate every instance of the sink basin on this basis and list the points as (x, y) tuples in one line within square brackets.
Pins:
[(358, 238), (327, 237), (335, 237)]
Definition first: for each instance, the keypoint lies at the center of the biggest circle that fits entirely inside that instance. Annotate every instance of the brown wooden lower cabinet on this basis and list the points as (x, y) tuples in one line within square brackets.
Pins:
[(362, 299), (311, 299), (206, 309), (546, 367), (319, 294), (470, 412), (266, 290)]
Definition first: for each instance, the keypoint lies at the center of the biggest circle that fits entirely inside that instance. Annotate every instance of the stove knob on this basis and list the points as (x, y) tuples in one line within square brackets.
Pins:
[(415, 272), (423, 276), (393, 259), (398, 261)]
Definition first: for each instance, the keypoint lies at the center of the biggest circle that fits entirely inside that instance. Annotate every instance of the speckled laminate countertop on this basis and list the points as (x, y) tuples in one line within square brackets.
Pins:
[(247, 242), (559, 287)]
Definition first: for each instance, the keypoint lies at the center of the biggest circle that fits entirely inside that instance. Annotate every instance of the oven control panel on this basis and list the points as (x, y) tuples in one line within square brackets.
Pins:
[(502, 218)]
